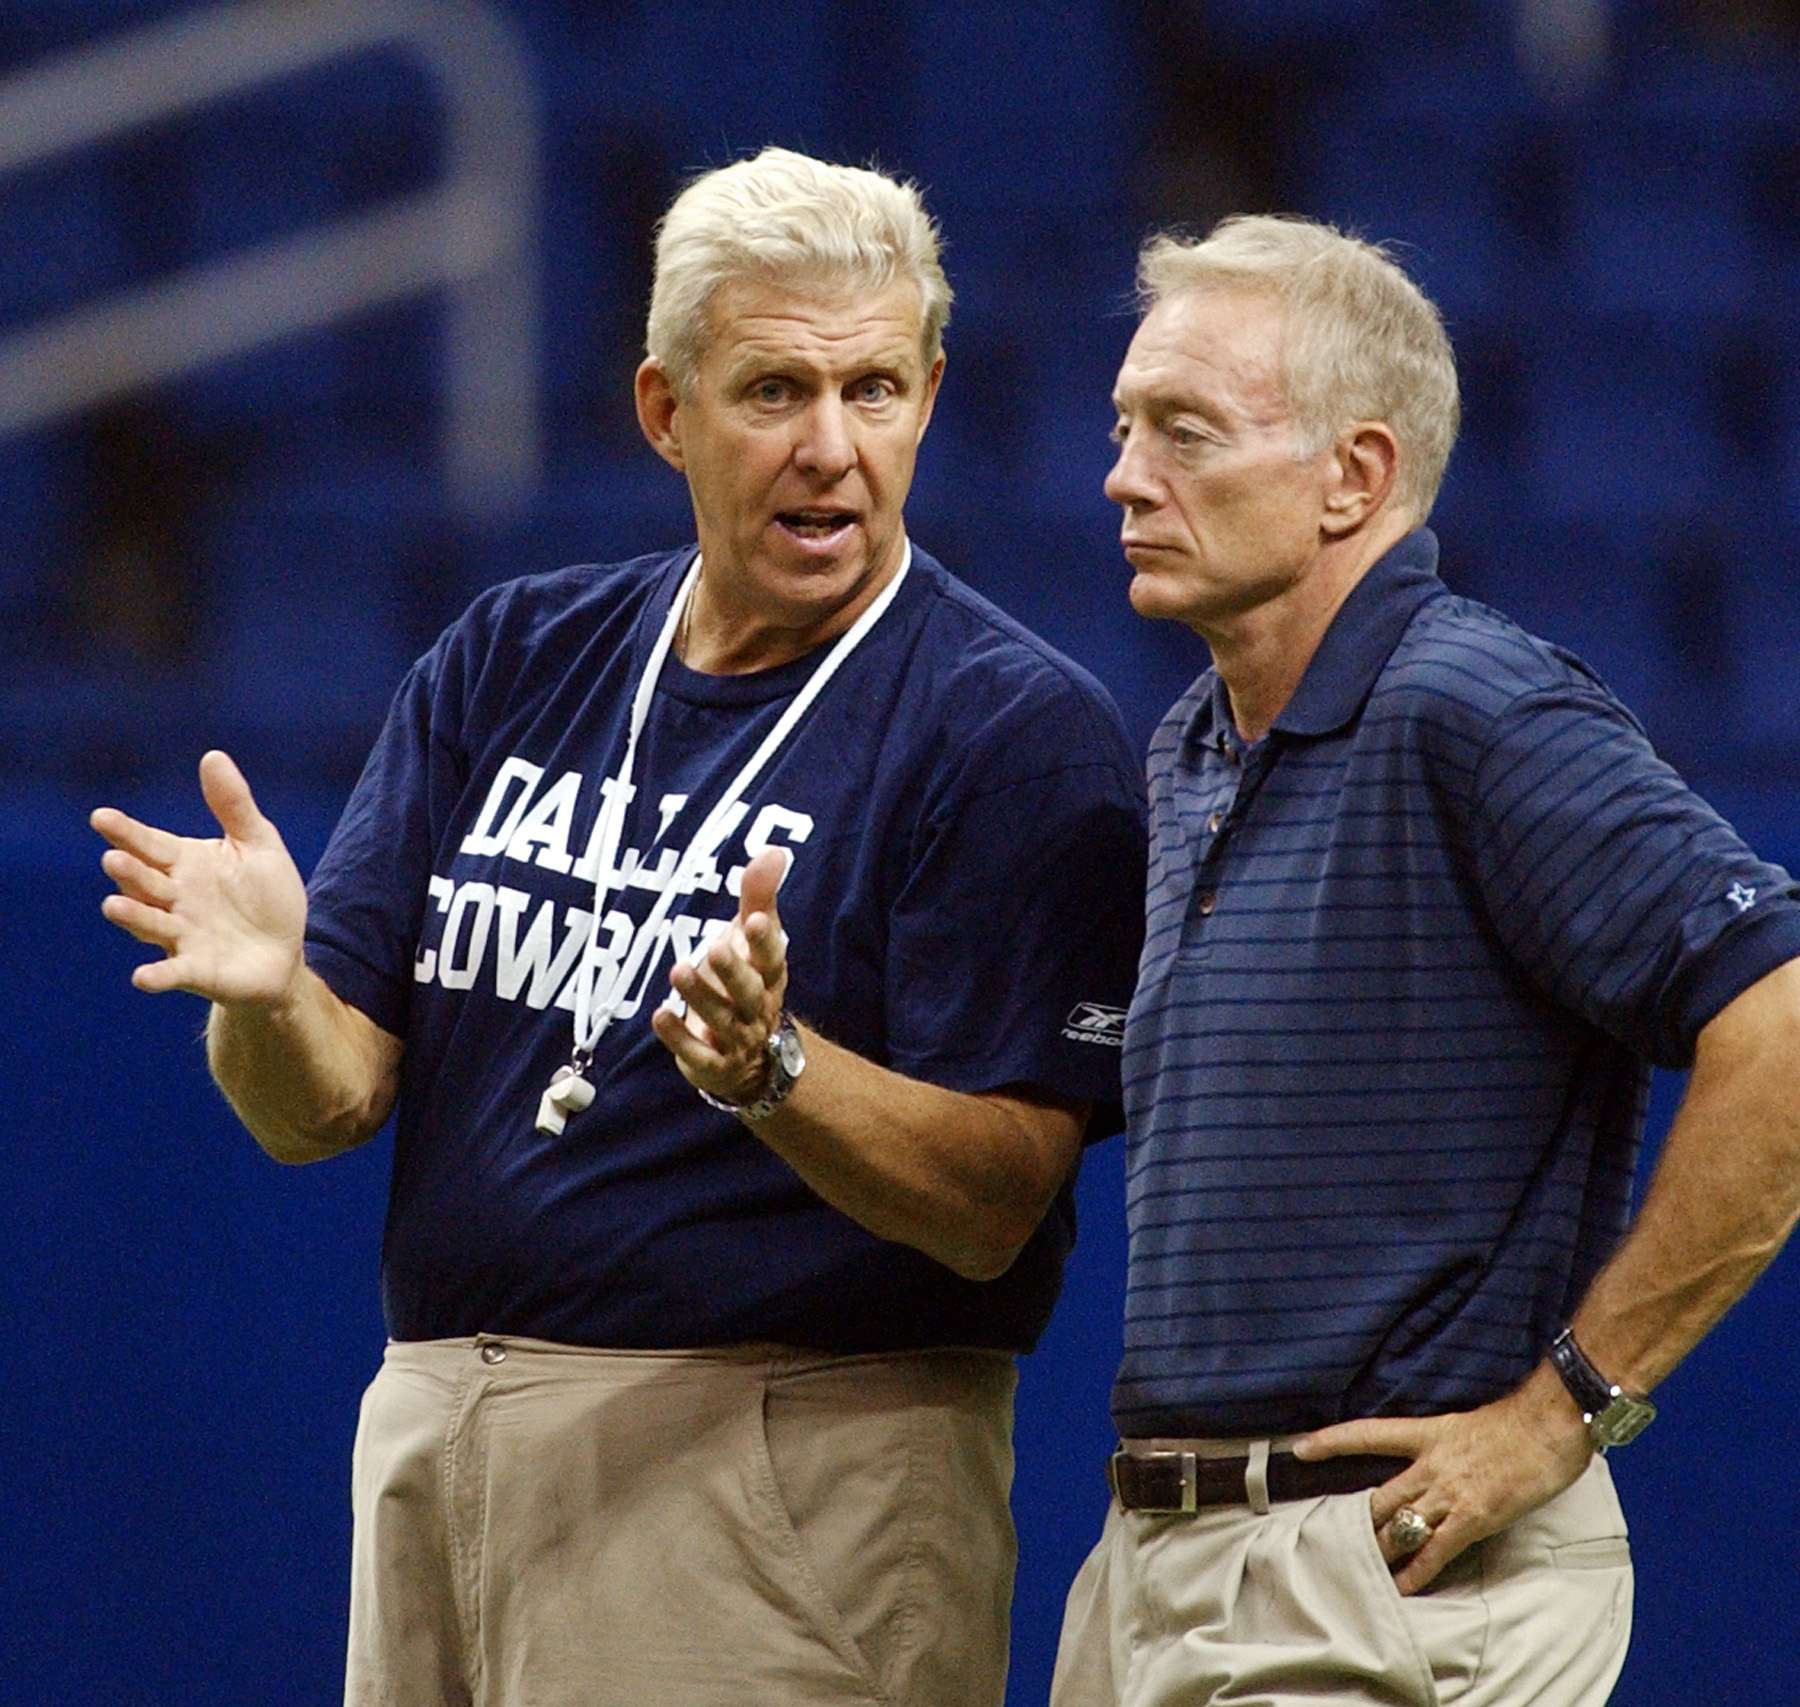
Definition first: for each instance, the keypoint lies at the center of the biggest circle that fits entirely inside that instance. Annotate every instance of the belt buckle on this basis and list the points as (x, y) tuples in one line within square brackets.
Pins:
[(1189, 1463)]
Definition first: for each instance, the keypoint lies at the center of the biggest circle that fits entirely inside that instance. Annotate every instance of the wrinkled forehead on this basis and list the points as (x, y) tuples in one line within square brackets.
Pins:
[(1209, 343), (759, 298)]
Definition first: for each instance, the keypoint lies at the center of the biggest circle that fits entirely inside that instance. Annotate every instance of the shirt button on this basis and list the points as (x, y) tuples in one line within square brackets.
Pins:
[(1213, 823), (493, 1354), (1206, 903)]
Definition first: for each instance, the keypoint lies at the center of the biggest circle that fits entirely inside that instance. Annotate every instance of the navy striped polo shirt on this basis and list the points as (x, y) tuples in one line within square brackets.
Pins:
[(1409, 959)]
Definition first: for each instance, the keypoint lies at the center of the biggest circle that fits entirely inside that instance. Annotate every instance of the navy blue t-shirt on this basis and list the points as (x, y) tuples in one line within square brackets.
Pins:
[(1409, 957), (963, 906)]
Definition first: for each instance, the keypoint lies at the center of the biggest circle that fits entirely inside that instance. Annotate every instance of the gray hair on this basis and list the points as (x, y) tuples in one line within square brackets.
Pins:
[(1361, 342), (788, 218)]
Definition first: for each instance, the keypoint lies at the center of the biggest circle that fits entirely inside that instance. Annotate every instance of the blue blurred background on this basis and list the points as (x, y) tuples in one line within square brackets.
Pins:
[(316, 317)]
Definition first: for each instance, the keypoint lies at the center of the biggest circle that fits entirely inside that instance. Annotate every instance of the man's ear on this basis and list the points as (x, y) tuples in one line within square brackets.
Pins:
[(658, 410), (1368, 462), (933, 380)]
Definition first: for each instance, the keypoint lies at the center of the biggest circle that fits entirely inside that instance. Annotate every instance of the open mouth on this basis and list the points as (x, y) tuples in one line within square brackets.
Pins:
[(815, 524)]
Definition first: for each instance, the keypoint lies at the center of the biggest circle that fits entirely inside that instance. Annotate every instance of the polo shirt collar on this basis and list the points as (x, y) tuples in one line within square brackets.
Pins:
[(1362, 637)]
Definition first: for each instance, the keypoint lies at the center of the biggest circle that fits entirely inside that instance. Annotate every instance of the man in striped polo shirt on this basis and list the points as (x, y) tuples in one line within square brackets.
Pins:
[(1424, 908)]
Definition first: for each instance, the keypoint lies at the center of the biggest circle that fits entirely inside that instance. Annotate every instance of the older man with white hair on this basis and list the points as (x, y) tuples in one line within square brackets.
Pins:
[(716, 1217), (1424, 906)]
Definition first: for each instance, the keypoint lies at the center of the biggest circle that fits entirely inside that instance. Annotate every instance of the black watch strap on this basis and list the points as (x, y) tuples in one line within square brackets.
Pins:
[(1612, 1414)]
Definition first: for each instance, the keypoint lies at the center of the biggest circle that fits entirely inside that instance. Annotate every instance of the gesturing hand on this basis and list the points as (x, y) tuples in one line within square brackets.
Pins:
[(1473, 1472), (734, 992), (228, 912)]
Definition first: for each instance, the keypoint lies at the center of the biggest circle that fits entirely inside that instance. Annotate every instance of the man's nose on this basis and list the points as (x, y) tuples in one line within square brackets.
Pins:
[(1127, 481), (827, 443)]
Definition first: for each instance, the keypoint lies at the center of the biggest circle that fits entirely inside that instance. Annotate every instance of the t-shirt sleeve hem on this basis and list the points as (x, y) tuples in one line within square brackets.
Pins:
[(1097, 1082), (1736, 962), (353, 982)]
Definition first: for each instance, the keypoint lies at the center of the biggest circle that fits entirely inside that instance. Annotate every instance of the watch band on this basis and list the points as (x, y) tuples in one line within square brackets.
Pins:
[(786, 1061), (1613, 1414)]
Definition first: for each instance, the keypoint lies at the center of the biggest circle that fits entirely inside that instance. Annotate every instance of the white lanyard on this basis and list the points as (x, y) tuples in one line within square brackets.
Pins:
[(594, 1012)]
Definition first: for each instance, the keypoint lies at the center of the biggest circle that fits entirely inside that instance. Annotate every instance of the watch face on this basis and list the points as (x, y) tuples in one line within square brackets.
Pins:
[(788, 1051), (1624, 1419)]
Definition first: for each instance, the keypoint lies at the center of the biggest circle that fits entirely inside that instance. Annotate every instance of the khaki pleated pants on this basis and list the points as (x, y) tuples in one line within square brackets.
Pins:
[(1298, 1606), (545, 1526)]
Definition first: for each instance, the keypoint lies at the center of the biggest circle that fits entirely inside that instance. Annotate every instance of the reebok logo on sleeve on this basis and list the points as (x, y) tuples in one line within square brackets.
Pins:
[(1089, 1022)]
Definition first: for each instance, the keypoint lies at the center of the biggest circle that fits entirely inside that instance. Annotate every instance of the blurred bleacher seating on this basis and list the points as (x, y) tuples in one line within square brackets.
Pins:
[(254, 552)]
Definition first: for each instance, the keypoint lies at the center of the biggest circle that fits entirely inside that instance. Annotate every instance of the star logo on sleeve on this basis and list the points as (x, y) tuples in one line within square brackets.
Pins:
[(1741, 897)]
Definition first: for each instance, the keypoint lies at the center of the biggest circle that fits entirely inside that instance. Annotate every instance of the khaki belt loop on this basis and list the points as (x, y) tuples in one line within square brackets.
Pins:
[(1190, 1482), (1256, 1477)]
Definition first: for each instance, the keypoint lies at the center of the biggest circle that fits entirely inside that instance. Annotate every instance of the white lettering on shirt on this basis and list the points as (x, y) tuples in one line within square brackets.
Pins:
[(539, 941), (547, 824), (483, 838)]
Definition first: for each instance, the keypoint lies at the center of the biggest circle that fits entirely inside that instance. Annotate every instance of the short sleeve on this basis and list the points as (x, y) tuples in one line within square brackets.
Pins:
[(1013, 949), (366, 899), (1622, 894)]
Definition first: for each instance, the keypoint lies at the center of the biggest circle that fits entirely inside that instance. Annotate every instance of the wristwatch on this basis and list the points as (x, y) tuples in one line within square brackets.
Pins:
[(1613, 1415), (787, 1060)]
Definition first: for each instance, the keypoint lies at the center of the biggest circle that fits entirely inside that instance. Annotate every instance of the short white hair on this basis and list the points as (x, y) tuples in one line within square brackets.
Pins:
[(788, 219), (1361, 341)]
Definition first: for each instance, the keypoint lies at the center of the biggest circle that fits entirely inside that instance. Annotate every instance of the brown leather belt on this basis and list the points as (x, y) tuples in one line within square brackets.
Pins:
[(1187, 1481)]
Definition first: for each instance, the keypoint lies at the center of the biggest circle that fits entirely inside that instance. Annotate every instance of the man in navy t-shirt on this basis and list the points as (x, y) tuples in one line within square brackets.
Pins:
[(1423, 908), (741, 935)]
